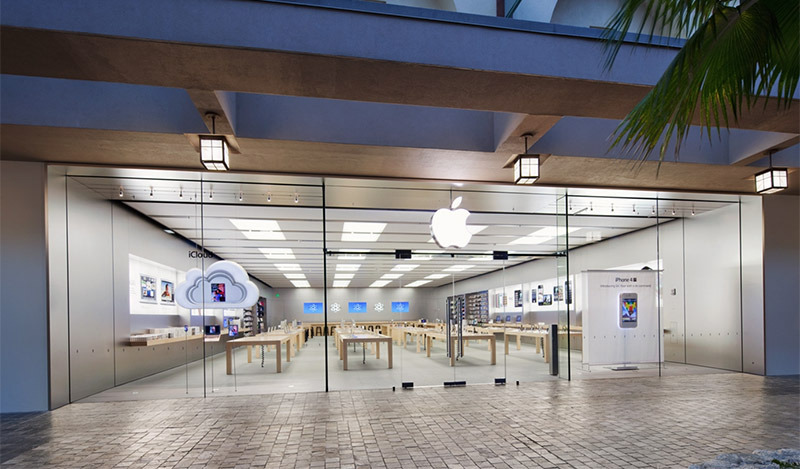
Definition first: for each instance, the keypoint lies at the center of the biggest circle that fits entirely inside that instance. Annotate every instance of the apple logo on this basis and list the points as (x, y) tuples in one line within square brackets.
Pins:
[(449, 226)]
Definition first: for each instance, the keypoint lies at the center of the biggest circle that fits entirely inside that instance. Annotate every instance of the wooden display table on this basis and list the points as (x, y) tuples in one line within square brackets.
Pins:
[(400, 335), (540, 337), (380, 327), (345, 339), (465, 336), (267, 339)]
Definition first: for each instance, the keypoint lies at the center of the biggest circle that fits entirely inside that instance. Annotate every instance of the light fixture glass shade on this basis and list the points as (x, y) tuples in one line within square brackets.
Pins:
[(214, 153), (772, 180), (526, 169)]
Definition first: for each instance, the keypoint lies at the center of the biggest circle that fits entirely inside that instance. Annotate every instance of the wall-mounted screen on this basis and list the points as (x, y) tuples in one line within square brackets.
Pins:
[(517, 298), (313, 308), (212, 329), (357, 307), (167, 292), (218, 292), (233, 330), (399, 306), (148, 288)]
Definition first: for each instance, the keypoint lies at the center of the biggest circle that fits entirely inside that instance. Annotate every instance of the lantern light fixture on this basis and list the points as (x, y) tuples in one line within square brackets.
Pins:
[(526, 165), (214, 152), (772, 180)]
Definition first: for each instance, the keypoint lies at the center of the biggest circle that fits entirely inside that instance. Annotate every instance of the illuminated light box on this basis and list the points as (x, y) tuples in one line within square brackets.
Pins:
[(313, 308), (400, 306), (357, 307)]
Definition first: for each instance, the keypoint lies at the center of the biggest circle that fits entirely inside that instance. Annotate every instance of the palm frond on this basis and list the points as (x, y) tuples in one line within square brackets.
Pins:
[(735, 56)]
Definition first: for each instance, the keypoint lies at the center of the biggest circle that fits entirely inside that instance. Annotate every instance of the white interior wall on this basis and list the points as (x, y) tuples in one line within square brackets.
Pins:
[(752, 281)]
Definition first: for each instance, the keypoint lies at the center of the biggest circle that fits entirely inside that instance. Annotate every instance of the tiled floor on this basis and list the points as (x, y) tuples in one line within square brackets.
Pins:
[(641, 422)]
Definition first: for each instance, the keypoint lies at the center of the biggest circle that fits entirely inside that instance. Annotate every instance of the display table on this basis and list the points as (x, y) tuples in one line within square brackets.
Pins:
[(434, 335), (344, 339), (400, 335), (380, 327), (265, 339)]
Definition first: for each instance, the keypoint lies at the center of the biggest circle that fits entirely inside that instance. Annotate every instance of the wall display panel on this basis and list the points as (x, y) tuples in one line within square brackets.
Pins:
[(357, 307), (620, 317), (313, 308), (152, 287), (400, 307)]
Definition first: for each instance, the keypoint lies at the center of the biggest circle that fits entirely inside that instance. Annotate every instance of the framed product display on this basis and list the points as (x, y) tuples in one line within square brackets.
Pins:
[(558, 293), (519, 318), (313, 308), (148, 288), (167, 292), (628, 310), (547, 300), (540, 295), (517, 298), (212, 329), (218, 292), (568, 289), (233, 330)]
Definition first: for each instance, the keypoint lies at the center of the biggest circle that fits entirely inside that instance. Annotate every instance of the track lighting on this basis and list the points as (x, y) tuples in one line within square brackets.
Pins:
[(296, 198), (180, 194), (269, 197), (240, 197), (151, 192), (120, 191), (210, 195)]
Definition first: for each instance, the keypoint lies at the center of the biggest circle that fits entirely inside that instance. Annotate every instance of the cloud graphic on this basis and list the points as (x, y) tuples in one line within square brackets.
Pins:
[(196, 291)]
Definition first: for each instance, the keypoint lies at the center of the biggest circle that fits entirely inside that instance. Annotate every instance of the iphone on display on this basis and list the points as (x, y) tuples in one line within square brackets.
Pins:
[(628, 310)]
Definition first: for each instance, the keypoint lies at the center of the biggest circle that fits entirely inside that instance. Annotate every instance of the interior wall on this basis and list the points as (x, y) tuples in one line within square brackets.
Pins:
[(421, 304), (781, 280), (23, 288)]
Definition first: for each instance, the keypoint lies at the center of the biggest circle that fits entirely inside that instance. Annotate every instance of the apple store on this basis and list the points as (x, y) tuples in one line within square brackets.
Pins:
[(180, 283)]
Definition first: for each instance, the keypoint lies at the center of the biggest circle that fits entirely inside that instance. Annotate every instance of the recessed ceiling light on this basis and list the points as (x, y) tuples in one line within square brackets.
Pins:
[(168, 231), (380, 283), (391, 276), (404, 267), (362, 232), (417, 283), (288, 267), (436, 276), (341, 283), (295, 276), (344, 276), (543, 235), (301, 283), (348, 267), (258, 229), (458, 268), (277, 253)]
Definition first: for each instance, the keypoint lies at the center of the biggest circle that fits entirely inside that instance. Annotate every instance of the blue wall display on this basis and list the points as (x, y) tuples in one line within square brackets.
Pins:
[(399, 306), (357, 307), (313, 308)]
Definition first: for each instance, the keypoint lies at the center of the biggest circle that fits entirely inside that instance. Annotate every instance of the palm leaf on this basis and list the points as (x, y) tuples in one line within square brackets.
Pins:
[(734, 56)]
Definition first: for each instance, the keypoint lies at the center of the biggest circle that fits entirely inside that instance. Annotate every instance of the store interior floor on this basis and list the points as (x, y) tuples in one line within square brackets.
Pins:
[(306, 371)]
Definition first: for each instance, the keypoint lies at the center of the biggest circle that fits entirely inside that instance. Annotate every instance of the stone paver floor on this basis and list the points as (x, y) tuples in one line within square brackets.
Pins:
[(643, 422)]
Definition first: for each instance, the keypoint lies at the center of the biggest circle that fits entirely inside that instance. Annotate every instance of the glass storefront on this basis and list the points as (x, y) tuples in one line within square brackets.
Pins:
[(346, 284)]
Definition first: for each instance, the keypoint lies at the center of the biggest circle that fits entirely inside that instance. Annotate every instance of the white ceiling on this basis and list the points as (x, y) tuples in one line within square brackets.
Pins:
[(508, 214)]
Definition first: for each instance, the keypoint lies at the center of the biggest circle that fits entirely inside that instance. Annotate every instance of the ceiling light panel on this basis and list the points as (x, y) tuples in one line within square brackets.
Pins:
[(348, 267), (341, 283), (543, 235), (458, 268), (418, 283), (404, 267), (436, 276), (380, 283), (295, 276), (258, 229), (301, 283), (288, 267), (277, 253), (354, 256), (362, 232), (344, 276), (391, 276)]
